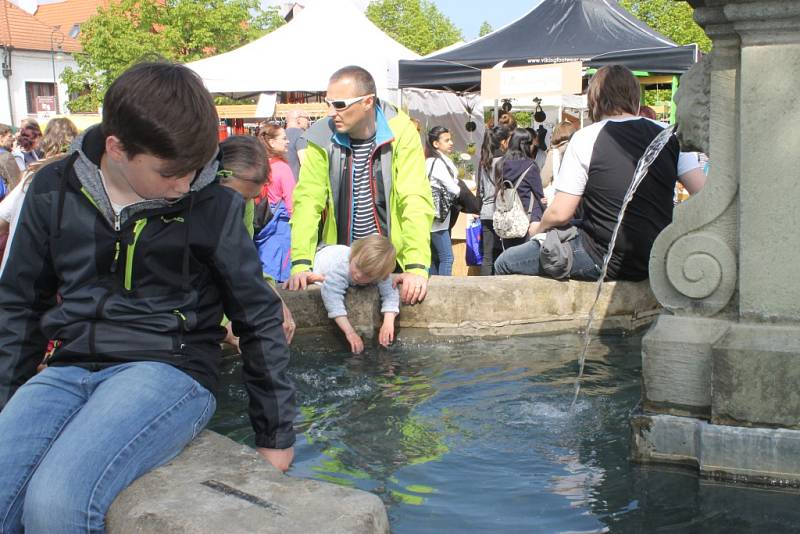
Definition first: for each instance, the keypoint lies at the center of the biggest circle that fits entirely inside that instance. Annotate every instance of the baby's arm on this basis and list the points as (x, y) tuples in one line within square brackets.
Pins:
[(386, 335), (333, 292), (390, 307), (356, 343)]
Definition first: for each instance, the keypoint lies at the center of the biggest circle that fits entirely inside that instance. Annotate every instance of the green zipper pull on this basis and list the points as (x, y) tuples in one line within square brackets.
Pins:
[(115, 261), (129, 253)]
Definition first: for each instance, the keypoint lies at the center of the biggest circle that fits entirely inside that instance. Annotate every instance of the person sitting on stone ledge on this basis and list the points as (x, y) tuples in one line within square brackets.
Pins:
[(597, 169), (370, 260), (127, 253)]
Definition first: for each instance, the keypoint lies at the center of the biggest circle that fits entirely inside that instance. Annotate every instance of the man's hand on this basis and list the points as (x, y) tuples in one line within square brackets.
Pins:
[(280, 458), (356, 343), (415, 287), (386, 334), (533, 229), (301, 280), (288, 323)]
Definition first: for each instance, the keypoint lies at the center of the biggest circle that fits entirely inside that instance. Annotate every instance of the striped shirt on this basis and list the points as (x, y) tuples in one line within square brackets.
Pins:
[(364, 223)]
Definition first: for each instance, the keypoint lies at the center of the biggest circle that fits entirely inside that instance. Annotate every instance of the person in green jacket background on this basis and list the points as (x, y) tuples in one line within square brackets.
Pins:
[(363, 174)]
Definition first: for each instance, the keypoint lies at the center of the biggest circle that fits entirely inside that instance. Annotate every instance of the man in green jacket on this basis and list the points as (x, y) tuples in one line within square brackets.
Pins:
[(363, 174)]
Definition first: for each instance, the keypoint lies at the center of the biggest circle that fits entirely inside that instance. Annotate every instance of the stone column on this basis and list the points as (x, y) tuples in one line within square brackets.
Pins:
[(725, 359)]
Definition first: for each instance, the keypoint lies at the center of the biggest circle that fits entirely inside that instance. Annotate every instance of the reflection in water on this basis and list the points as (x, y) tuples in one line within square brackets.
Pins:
[(479, 437)]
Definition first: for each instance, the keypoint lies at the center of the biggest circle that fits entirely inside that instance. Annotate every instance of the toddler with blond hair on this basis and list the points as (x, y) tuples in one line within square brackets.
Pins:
[(368, 261)]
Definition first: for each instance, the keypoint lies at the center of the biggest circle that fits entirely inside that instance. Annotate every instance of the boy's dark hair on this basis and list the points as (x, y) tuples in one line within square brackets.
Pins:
[(162, 109), (244, 155), (613, 90), (5, 129), (364, 81)]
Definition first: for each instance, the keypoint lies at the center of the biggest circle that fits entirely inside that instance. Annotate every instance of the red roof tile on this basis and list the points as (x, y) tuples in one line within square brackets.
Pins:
[(67, 14), (25, 32)]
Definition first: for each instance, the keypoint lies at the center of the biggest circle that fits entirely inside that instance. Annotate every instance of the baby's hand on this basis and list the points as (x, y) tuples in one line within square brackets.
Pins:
[(356, 344), (386, 335)]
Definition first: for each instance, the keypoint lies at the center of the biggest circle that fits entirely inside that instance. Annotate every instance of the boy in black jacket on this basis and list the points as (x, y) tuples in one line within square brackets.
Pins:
[(145, 249)]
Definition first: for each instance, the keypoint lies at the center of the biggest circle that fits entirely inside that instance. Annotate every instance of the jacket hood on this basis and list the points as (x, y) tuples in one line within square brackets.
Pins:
[(514, 169), (90, 147)]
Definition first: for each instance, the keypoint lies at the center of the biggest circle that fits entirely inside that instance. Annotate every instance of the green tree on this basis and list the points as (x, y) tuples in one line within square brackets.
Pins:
[(671, 18), (179, 30), (416, 24), (486, 29)]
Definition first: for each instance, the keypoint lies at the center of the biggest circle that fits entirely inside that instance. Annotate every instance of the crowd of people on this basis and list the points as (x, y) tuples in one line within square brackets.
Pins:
[(134, 246)]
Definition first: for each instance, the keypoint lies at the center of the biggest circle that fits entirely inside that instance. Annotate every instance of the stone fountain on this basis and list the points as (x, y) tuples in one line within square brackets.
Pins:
[(721, 367)]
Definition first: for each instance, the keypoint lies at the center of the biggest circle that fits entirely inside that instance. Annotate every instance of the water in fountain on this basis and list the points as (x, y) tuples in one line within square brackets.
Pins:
[(647, 159)]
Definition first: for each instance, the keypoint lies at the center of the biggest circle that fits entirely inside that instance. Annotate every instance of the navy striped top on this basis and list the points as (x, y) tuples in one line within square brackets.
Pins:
[(364, 223)]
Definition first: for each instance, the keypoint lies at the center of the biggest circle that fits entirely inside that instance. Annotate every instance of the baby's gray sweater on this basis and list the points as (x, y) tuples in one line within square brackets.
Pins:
[(334, 262)]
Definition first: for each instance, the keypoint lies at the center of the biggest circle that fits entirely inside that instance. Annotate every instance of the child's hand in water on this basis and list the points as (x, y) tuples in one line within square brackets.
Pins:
[(386, 334), (356, 343)]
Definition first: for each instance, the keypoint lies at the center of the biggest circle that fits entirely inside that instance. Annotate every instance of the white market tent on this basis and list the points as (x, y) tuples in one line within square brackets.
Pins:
[(301, 55)]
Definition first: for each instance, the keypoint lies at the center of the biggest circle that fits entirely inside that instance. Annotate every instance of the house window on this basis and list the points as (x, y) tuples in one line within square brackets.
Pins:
[(37, 89)]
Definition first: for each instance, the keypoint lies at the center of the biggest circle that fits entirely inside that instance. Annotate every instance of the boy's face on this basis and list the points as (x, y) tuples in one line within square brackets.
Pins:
[(144, 173), (358, 276)]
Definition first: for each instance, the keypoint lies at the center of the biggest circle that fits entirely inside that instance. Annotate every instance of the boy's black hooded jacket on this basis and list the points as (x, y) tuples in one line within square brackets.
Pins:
[(149, 285)]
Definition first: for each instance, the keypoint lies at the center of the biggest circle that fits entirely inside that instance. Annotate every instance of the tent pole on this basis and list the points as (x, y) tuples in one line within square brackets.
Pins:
[(672, 106), (496, 114)]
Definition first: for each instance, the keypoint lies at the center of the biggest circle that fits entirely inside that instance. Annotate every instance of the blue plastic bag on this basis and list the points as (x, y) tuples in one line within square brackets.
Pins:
[(474, 250)]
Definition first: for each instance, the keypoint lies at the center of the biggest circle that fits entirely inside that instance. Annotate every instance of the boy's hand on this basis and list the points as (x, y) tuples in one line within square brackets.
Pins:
[(415, 287), (301, 280), (230, 338), (356, 343), (288, 323), (280, 458)]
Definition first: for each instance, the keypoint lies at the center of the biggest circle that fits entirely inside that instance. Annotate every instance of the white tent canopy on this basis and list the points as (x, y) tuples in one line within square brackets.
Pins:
[(301, 55)]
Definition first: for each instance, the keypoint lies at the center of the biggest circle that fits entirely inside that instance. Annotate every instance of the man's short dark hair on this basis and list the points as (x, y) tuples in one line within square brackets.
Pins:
[(613, 90), (364, 81), (162, 109)]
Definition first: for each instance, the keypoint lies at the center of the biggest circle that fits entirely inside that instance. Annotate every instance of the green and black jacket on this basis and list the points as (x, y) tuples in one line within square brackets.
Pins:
[(149, 285)]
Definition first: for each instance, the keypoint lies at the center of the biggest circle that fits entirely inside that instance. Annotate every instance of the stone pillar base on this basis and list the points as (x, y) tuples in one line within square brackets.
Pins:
[(766, 456), (676, 364)]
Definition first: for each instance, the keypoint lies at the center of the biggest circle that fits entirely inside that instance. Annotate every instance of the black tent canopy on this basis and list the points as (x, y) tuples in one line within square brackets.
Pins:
[(596, 32)]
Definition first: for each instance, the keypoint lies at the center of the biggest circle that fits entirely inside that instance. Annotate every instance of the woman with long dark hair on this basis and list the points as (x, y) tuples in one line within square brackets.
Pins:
[(495, 141), (515, 165), (443, 175)]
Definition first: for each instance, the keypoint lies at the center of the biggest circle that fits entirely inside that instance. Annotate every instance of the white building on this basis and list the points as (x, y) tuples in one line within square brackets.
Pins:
[(33, 56)]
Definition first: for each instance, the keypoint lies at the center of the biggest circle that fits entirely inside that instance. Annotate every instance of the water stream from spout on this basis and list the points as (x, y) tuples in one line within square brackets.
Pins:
[(647, 159)]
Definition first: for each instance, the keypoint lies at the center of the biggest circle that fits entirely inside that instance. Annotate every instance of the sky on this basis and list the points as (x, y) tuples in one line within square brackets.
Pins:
[(466, 14), (469, 14)]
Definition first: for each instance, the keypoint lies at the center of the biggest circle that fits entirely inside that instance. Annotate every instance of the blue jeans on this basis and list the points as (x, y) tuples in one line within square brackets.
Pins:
[(524, 259), (72, 439), (442, 257)]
